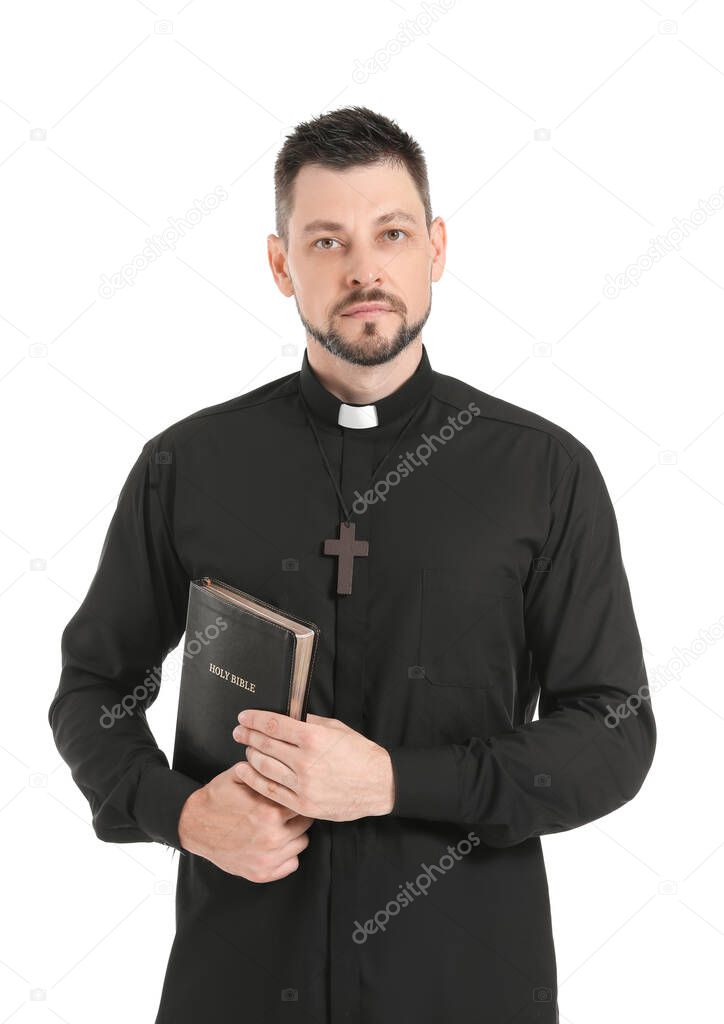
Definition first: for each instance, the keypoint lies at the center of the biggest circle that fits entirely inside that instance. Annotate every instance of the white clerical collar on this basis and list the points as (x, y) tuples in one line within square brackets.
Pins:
[(357, 415), (385, 412)]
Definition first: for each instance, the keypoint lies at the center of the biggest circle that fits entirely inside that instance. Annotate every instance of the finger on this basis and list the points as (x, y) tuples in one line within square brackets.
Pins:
[(297, 825), (293, 847), (284, 752), (271, 768), (288, 856), (267, 787), (285, 814), (284, 869), (281, 727)]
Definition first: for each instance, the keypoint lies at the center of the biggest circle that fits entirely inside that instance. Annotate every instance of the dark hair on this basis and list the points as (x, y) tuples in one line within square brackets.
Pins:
[(345, 138)]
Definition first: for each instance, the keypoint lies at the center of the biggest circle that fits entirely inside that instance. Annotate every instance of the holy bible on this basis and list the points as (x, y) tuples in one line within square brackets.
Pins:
[(239, 652)]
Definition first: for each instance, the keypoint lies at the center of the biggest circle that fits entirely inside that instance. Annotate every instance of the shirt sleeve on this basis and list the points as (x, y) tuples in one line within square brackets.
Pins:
[(111, 655), (593, 743)]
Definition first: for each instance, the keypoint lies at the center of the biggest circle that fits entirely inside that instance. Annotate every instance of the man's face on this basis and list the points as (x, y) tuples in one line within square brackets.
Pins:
[(341, 254)]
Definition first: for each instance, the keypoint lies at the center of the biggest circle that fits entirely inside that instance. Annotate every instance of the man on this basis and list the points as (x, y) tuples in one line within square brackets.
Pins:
[(381, 861)]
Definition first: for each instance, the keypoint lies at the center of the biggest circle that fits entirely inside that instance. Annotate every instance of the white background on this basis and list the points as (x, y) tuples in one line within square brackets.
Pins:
[(560, 138)]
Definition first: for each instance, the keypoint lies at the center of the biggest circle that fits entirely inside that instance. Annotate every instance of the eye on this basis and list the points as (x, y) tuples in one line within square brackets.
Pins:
[(327, 248)]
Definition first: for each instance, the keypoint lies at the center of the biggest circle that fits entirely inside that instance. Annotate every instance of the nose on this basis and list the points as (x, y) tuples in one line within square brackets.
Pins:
[(367, 277)]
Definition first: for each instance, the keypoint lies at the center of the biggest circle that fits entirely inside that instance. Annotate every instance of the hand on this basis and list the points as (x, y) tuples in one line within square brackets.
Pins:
[(241, 831), (320, 768)]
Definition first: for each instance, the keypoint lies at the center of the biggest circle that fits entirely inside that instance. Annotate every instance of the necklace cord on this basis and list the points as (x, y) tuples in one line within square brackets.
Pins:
[(332, 477)]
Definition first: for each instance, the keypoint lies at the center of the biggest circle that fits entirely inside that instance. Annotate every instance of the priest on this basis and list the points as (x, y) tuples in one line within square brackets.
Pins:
[(479, 682)]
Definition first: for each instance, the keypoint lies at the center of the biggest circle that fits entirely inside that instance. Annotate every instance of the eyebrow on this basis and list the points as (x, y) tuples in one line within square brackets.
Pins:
[(333, 225)]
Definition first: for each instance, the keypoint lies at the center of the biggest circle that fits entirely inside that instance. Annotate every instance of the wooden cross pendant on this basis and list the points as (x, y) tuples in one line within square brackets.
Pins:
[(346, 548)]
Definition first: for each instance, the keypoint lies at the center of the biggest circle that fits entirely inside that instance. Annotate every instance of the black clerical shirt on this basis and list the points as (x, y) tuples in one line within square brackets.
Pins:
[(494, 583)]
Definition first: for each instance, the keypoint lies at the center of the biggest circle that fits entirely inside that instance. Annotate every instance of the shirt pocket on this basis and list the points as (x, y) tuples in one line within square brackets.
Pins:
[(464, 621)]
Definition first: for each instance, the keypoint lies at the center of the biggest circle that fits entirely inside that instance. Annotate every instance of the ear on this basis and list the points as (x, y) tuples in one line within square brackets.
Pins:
[(277, 257), (438, 239)]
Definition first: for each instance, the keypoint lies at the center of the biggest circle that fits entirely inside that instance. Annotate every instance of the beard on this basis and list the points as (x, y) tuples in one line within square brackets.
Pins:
[(374, 346)]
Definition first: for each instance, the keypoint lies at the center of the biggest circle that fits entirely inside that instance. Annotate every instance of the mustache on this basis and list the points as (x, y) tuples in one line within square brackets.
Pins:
[(377, 296)]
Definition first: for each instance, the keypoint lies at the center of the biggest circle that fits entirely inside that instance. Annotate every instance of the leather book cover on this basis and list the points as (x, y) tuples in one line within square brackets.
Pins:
[(239, 652)]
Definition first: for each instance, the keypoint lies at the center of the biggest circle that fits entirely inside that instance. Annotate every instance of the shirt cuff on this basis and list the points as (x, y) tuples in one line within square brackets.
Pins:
[(426, 783), (160, 797)]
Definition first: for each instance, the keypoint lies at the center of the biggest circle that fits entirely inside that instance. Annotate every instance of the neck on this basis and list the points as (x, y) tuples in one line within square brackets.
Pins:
[(363, 385)]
